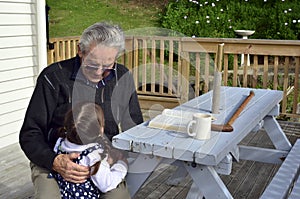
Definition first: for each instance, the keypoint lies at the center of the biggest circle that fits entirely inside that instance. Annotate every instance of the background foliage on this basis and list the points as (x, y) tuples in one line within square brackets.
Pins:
[(71, 17), (271, 19)]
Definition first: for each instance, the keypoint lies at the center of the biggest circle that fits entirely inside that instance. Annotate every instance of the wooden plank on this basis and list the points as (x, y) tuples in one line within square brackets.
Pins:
[(17, 74), (18, 41), (16, 30), (246, 189), (14, 106), (9, 53), (170, 68), (22, 1), (241, 170), (10, 128), (154, 184), (12, 116), (286, 175), (296, 85), (177, 190), (239, 46), (12, 157), (161, 66), (143, 67), (16, 94), (13, 8), (17, 63), (296, 190), (14, 173), (153, 67), (9, 139), (24, 82), (17, 19)]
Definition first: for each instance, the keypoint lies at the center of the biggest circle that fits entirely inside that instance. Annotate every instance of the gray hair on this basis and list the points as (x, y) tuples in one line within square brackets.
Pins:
[(102, 33)]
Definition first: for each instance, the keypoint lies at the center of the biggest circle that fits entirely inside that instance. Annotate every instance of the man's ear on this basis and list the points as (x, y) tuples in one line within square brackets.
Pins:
[(79, 51)]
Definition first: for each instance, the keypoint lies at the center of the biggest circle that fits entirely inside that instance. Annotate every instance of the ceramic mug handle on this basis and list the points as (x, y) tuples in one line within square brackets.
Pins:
[(188, 128)]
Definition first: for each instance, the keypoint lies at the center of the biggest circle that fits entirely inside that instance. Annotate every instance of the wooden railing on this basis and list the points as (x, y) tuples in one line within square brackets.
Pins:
[(170, 70)]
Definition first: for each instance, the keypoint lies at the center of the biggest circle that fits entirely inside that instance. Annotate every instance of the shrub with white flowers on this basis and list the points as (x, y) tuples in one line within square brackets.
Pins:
[(219, 18)]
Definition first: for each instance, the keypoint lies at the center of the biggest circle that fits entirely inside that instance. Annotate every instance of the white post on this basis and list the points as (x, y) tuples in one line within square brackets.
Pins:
[(41, 35), (248, 56), (245, 34)]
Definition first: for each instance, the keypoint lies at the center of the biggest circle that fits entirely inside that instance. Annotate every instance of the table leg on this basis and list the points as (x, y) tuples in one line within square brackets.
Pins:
[(139, 170), (208, 182), (276, 134), (194, 193)]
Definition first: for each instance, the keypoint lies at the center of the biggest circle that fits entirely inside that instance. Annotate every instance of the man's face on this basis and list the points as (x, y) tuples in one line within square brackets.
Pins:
[(95, 63)]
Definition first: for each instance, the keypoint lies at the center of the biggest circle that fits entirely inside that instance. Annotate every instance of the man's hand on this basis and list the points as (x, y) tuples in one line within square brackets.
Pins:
[(69, 170)]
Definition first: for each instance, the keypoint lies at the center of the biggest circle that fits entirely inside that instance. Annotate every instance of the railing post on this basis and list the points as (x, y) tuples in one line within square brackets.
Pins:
[(185, 71)]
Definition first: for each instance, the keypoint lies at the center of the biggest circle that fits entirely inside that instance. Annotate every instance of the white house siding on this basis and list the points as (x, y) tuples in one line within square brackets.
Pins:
[(21, 44)]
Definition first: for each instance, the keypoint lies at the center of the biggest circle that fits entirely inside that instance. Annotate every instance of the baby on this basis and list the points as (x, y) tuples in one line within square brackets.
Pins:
[(83, 133)]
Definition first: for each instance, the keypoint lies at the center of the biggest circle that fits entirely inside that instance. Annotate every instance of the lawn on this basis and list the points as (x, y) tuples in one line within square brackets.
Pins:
[(71, 17)]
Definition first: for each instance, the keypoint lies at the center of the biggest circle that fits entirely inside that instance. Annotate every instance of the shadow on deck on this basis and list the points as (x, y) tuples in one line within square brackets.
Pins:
[(248, 179)]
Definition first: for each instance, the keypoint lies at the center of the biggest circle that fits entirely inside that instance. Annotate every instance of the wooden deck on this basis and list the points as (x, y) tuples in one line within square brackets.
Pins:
[(247, 180)]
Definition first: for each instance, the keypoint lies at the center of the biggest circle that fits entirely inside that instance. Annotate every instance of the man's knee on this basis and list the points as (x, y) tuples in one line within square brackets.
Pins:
[(44, 187)]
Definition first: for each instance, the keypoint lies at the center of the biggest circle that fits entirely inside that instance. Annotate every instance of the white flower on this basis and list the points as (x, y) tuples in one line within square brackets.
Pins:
[(221, 9), (197, 22), (290, 9), (207, 17), (201, 4), (286, 23), (298, 20), (282, 0), (185, 17), (193, 36), (229, 20), (278, 33), (294, 21), (213, 5), (218, 17), (205, 2), (230, 27), (285, 11), (207, 21), (265, 0)]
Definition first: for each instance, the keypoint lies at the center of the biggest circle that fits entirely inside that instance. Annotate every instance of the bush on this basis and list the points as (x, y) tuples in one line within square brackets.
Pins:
[(219, 18)]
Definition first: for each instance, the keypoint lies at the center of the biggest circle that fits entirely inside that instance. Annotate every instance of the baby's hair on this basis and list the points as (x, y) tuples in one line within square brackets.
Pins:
[(84, 124)]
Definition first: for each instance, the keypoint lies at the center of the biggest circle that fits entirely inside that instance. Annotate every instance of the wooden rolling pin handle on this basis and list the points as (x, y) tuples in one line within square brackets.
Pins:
[(241, 107)]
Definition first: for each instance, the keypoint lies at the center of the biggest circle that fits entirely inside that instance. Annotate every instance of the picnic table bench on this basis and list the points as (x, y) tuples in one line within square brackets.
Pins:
[(286, 182)]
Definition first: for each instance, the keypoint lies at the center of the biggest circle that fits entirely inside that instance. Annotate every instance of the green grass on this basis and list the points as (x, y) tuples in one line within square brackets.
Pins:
[(71, 17)]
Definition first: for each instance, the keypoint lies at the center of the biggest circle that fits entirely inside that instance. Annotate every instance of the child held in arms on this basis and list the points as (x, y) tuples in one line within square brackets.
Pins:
[(83, 133)]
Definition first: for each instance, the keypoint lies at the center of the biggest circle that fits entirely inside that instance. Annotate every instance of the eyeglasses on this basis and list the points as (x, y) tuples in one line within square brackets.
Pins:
[(95, 68)]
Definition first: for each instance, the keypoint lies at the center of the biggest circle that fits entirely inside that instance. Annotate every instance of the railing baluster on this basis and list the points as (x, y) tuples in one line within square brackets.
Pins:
[(148, 65)]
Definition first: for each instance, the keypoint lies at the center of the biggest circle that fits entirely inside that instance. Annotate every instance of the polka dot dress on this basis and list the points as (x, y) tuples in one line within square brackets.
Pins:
[(71, 190)]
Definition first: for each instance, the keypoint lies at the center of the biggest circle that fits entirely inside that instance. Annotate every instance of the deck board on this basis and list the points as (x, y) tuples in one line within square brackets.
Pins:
[(248, 179)]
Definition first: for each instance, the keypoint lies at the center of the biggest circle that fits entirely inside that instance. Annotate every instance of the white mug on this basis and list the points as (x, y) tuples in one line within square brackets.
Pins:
[(200, 126)]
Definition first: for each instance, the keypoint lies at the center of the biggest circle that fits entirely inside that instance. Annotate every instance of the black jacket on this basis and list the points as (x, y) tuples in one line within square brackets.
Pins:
[(61, 85)]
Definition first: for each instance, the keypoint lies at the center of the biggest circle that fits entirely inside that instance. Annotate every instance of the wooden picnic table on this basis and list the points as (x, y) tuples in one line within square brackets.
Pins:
[(205, 160)]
